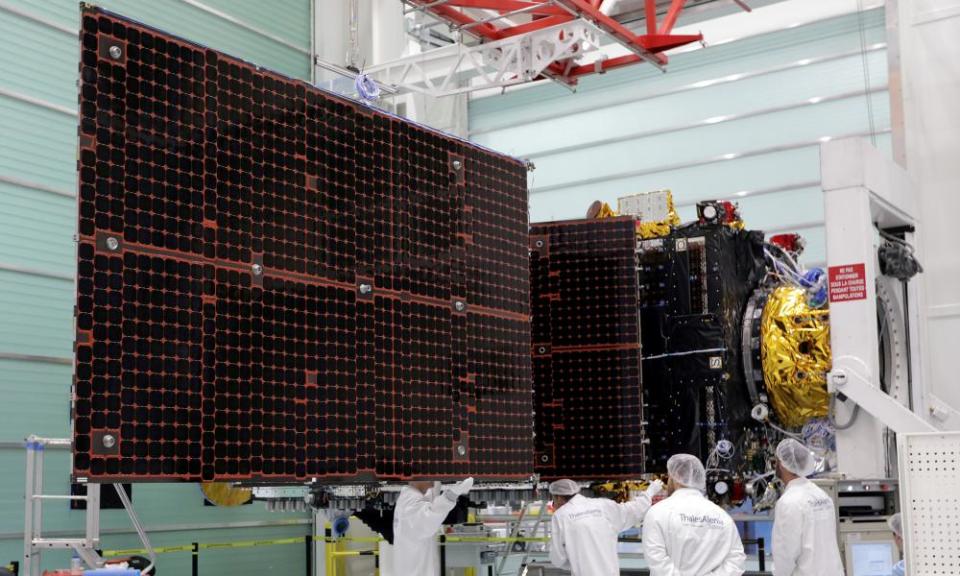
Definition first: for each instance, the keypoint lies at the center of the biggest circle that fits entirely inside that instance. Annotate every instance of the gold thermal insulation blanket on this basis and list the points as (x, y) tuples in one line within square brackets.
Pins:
[(226, 494), (795, 351)]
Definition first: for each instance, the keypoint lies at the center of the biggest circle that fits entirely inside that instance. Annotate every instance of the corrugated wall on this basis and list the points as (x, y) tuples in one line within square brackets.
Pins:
[(740, 121), (38, 72)]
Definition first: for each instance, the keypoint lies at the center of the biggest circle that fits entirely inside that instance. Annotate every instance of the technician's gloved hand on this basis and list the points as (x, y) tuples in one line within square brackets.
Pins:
[(458, 489), (654, 489)]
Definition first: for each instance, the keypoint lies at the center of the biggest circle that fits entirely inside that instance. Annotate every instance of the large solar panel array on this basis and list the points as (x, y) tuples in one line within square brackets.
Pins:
[(275, 283), (586, 349)]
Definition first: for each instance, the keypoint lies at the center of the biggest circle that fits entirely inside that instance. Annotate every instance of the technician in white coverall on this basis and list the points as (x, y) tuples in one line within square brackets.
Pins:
[(687, 534), (584, 530), (896, 526), (416, 520), (805, 520)]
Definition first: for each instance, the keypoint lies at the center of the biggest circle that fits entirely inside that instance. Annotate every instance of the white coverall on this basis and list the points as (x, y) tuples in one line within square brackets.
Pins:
[(805, 532), (584, 533), (416, 520), (688, 535)]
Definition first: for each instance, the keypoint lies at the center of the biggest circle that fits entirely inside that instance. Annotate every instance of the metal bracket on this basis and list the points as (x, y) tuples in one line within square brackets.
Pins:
[(943, 412), (849, 377), (521, 33), (515, 60)]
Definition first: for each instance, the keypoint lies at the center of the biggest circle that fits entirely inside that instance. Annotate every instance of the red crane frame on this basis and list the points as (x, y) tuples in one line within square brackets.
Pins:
[(648, 46)]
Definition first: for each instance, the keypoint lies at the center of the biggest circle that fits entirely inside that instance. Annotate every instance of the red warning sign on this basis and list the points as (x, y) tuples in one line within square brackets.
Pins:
[(848, 283)]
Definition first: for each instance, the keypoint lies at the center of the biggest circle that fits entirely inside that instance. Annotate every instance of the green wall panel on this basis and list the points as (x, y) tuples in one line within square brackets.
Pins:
[(769, 92), (37, 317), (39, 145), (38, 152), (35, 401), (188, 21), (804, 124), (289, 19), (38, 60), (37, 229)]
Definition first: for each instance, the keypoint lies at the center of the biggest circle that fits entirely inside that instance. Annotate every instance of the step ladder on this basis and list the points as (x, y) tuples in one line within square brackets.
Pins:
[(519, 528), (34, 542)]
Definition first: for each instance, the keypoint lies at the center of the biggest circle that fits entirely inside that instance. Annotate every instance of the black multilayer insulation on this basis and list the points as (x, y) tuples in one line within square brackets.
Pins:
[(694, 286)]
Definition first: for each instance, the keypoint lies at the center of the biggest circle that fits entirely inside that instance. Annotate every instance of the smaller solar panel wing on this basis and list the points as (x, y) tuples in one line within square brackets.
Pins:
[(588, 392)]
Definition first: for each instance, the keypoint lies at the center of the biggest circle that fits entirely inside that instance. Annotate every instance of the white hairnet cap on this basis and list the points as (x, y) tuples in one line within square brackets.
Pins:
[(796, 457), (564, 488), (895, 523), (687, 470)]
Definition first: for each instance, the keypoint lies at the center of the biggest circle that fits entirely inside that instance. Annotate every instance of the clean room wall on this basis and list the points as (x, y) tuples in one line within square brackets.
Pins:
[(740, 121), (931, 87)]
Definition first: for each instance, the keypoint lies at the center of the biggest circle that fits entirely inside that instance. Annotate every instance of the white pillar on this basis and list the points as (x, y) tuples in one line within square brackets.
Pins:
[(927, 42), (388, 31), (330, 28), (860, 453)]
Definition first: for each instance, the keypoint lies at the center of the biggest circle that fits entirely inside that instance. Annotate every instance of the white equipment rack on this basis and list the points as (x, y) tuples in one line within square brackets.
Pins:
[(930, 497)]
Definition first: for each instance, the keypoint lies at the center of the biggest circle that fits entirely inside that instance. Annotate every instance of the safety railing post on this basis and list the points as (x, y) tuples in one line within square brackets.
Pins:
[(762, 554), (328, 563), (443, 554), (194, 559), (308, 540), (93, 516), (28, 492)]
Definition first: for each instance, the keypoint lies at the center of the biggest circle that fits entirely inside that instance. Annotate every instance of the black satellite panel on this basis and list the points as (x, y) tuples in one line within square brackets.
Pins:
[(694, 286)]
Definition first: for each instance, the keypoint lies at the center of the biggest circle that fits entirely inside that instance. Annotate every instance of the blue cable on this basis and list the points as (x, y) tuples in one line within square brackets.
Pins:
[(367, 88), (816, 285)]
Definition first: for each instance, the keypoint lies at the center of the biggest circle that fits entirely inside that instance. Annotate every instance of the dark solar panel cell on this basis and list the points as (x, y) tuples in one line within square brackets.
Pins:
[(278, 284)]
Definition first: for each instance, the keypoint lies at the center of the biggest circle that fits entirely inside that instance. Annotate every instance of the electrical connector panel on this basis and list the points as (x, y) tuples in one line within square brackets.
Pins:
[(277, 284), (586, 349)]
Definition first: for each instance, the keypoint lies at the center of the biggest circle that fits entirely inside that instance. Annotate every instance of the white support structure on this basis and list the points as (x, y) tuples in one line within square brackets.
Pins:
[(720, 23), (863, 191), (34, 543), (459, 69), (930, 503)]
